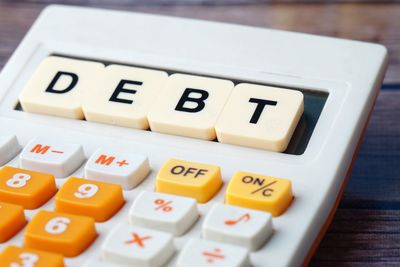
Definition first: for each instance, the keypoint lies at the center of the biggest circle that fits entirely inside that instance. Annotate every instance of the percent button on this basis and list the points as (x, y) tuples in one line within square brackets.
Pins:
[(259, 192)]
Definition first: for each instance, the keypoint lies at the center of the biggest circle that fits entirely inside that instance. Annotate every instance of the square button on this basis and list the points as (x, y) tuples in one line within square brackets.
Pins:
[(114, 166), (190, 106), (163, 212), (29, 189), (238, 226), (98, 200), (56, 86), (12, 220), (23, 257), (61, 233), (260, 117), (136, 246), (259, 192), (124, 96), (189, 179), (49, 156), (202, 253)]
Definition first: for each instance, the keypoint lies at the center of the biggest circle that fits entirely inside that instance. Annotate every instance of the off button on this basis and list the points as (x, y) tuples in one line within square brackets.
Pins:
[(259, 192), (189, 179)]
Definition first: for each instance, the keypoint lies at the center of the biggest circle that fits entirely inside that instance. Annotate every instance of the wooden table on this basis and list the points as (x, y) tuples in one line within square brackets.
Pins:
[(366, 228)]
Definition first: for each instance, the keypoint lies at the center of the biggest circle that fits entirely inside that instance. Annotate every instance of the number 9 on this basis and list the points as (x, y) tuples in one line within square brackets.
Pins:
[(86, 191)]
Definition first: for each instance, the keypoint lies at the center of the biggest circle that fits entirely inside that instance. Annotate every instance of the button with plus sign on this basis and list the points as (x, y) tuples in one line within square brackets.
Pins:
[(114, 166)]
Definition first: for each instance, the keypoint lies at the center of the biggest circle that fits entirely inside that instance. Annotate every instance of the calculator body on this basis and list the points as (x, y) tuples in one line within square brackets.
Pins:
[(347, 74)]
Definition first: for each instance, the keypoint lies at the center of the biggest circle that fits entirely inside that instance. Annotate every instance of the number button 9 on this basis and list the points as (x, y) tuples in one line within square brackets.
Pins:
[(86, 191)]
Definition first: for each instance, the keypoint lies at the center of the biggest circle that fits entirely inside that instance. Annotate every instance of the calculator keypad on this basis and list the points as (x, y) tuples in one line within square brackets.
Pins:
[(12, 220), (23, 257), (98, 200), (29, 189), (57, 158), (163, 212), (189, 179), (136, 246), (113, 166), (56, 86), (123, 96), (259, 192), (61, 233)]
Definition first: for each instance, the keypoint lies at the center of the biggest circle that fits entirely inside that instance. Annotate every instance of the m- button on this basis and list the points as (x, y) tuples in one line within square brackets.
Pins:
[(259, 192), (189, 179)]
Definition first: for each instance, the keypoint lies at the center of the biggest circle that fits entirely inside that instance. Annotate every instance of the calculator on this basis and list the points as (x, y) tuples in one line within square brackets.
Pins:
[(131, 139)]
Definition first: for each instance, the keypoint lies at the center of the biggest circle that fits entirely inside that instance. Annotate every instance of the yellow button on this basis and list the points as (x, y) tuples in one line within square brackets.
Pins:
[(190, 179), (19, 257), (98, 200), (61, 233), (259, 192), (26, 188), (12, 220)]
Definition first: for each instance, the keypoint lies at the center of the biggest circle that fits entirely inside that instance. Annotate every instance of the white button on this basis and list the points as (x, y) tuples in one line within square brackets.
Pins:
[(239, 226), (9, 147), (137, 246), (164, 212), (113, 166), (199, 253), (59, 159)]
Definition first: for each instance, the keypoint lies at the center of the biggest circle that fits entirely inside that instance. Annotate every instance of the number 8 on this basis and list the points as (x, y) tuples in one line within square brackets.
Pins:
[(18, 180), (86, 191)]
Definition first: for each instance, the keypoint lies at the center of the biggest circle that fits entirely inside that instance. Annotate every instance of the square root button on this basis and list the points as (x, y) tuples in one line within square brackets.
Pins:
[(114, 166)]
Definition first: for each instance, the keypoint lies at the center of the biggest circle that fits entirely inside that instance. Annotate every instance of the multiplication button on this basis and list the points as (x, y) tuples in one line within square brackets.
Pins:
[(164, 212), (189, 179), (259, 192), (238, 226), (203, 253), (57, 158), (114, 166), (137, 246)]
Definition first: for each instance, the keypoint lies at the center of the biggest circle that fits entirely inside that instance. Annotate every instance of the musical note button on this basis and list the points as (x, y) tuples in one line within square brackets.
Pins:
[(239, 226)]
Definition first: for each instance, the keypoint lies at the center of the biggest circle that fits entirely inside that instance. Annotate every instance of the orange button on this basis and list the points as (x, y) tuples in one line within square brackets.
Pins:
[(26, 188), (12, 219), (19, 257), (98, 200), (62, 233)]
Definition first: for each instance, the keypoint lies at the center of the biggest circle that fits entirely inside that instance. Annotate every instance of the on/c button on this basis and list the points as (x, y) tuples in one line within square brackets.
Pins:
[(190, 179)]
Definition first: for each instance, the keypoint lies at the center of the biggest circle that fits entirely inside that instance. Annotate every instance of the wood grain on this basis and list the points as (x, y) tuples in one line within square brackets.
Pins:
[(366, 229)]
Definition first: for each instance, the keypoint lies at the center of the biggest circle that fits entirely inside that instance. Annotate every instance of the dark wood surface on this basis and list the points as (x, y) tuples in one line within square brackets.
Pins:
[(366, 229)]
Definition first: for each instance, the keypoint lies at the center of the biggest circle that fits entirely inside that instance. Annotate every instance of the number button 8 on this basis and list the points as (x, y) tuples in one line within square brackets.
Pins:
[(18, 180)]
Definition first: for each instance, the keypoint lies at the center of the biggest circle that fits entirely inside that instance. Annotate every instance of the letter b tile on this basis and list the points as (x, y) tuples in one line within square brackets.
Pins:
[(56, 86), (190, 106)]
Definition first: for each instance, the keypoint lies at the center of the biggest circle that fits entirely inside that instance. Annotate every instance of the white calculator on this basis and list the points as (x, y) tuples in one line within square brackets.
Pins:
[(131, 139)]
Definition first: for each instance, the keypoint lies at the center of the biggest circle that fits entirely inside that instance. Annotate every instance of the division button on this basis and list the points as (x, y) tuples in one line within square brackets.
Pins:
[(259, 192), (163, 212), (189, 179), (137, 246), (203, 253), (114, 166), (238, 226), (57, 158)]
